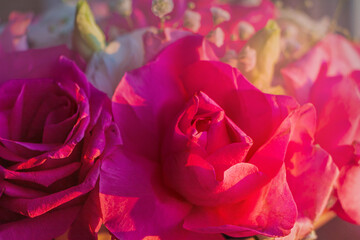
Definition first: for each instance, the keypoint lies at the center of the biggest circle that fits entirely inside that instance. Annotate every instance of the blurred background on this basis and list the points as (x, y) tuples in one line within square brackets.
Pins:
[(347, 15), (346, 11), (338, 229)]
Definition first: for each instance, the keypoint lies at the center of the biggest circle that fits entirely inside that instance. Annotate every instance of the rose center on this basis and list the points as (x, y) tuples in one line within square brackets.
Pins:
[(203, 146), (36, 115)]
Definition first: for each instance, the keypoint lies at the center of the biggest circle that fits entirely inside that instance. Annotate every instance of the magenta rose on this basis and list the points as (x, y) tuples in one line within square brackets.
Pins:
[(55, 128), (206, 153), (329, 77)]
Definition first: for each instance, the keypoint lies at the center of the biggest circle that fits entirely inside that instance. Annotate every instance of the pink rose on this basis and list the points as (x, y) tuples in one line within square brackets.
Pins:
[(328, 76), (55, 128), (301, 75), (206, 153)]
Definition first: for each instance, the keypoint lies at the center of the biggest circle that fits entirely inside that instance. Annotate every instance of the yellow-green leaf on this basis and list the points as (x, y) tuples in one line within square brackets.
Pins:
[(88, 37), (266, 43)]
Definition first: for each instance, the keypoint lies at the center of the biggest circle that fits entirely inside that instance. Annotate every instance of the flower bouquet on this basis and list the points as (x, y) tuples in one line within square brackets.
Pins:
[(176, 120)]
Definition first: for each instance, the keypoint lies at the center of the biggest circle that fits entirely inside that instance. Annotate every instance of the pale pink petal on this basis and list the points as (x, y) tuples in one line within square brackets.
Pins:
[(349, 198), (305, 163), (341, 95), (300, 75)]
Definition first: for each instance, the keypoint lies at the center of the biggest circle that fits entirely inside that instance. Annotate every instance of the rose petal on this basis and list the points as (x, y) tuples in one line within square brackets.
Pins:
[(27, 149), (273, 217), (208, 175), (302, 228), (305, 163), (196, 181), (40, 205), (47, 226), (332, 95), (88, 222), (13, 190), (10, 156), (133, 203), (100, 139), (301, 75), (270, 156), (45, 177), (249, 108), (348, 198), (29, 110)]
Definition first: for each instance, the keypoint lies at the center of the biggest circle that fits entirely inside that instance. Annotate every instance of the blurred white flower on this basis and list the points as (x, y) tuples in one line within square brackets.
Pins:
[(192, 20), (123, 7), (230, 58), (299, 32), (245, 30), (162, 7), (54, 27), (219, 15), (106, 68), (217, 37), (247, 59)]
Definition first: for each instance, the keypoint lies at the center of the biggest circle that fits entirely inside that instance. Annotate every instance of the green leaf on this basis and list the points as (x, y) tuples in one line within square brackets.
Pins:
[(266, 42), (88, 37)]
